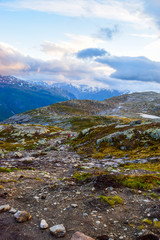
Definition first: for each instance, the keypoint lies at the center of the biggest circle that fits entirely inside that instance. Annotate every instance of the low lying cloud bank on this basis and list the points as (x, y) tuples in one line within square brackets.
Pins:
[(133, 68), (91, 66)]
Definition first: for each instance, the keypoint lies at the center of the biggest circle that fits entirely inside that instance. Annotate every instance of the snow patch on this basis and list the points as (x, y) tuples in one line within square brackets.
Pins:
[(148, 116)]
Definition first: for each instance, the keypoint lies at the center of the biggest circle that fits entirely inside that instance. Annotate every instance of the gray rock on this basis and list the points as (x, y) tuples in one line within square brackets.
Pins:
[(18, 154), (74, 205), (80, 236), (123, 148), (22, 216), (43, 224), (4, 208), (135, 122), (12, 210), (58, 230)]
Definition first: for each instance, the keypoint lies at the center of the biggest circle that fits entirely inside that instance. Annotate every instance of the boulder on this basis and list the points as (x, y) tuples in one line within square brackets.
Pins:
[(4, 208), (58, 230), (22, 216)]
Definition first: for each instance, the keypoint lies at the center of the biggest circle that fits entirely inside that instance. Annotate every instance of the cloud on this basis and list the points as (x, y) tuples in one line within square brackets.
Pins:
[(53, 49), (133, 68), (91, 52), (119, 10), (152, 8), (107, 33), (13, 62), (121, 73), (74, 44)]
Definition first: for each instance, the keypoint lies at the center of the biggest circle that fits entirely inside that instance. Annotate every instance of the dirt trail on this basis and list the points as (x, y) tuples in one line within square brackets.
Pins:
[(49, 191)]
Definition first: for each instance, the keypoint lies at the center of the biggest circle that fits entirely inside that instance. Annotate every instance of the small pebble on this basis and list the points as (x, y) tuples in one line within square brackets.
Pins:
[(43, 224), (12, 210), (98, 222), (74, 205)]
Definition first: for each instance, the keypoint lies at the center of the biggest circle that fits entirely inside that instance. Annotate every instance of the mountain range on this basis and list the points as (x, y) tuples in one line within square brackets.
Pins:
[(17, 96)]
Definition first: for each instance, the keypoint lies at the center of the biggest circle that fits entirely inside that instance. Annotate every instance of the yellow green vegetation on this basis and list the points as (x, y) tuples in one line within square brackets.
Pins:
[(38, 179), (145, 182), (7, 181), (21, 137), (111, 200), (147, 221), (154, 195), (157, 224), (141, 227), (1, 187), (141, 182), (139, 141), (150, 166), (2, 169), (80, 176)]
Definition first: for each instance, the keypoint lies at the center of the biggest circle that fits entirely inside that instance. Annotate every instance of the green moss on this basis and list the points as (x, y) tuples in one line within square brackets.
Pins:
[(79, 176), (132, 139), (141, 227), (157, 224), (147, 221), (2, 169), (111, 200), (141, 181), (151, 166), (38, 179), (154, 195)]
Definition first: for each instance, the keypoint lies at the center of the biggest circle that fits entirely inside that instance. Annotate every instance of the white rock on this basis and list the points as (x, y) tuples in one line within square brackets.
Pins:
[(12, 210), (74, 205), (98, 222), (58, 230), (43, 224), (18, 154), (22, 216), (85, 214), (4, 208)]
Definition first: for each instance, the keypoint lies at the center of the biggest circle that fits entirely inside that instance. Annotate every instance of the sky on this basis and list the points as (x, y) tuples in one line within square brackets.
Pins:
[(112, 44)]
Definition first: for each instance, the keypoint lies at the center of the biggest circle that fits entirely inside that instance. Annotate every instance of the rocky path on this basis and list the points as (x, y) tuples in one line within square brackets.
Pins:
[(49, 191)]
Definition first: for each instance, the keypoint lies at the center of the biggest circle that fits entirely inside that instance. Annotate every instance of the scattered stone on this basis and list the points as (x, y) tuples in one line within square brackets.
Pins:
[(74, 205), (18, 154), (22, 216), (12, 210), (43, 224), (98, 222), (4, 208), (58, 230), (123, 148), (85, 214), (80, 236), (135, 122)]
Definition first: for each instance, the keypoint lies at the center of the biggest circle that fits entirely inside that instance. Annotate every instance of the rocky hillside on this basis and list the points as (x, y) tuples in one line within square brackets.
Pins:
[(82, 174), (66, 114)]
